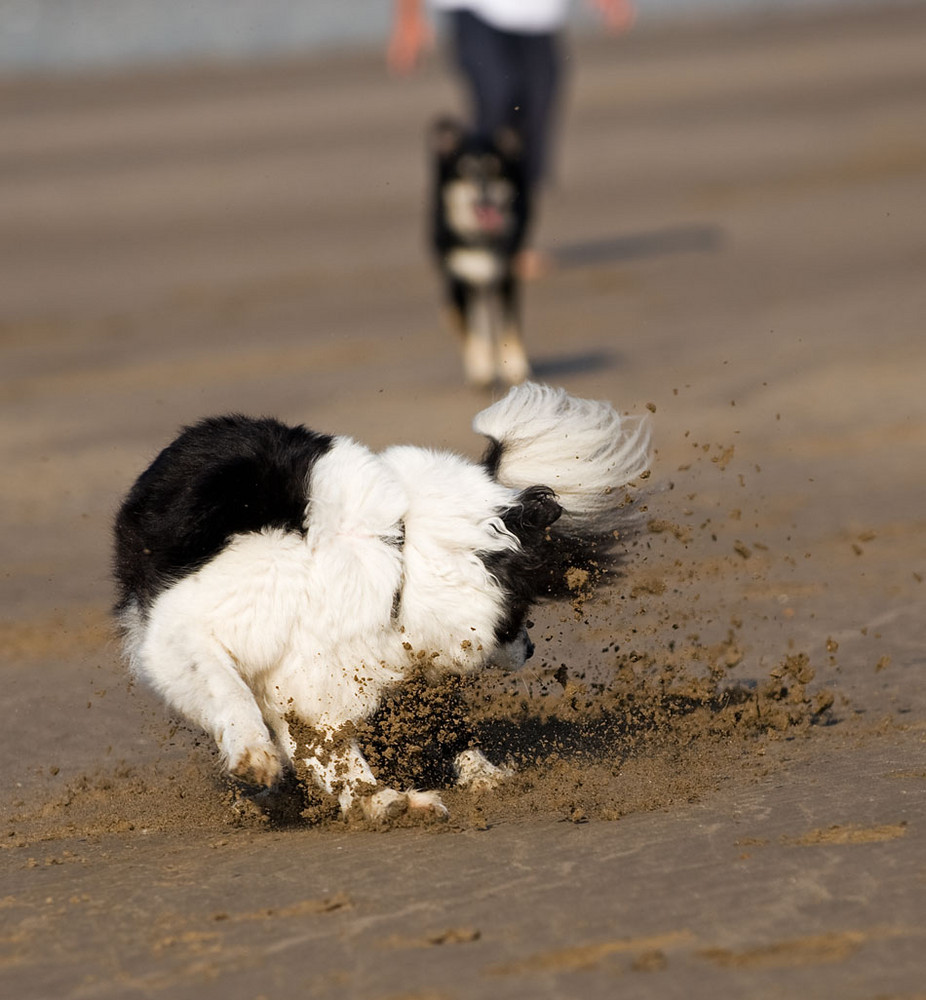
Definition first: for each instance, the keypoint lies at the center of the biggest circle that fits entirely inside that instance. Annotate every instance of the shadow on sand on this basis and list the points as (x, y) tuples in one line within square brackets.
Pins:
[(634, 246), (638, 246), (560, 365)]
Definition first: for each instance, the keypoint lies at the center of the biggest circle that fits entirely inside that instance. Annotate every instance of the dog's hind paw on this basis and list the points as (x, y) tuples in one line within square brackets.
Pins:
[(477, 773)]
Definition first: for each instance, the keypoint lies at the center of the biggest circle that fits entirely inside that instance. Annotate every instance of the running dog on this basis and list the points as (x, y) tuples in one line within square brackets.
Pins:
[(480, 216)]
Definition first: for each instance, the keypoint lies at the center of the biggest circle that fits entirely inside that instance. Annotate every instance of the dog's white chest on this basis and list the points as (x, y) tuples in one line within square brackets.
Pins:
[(474, 265)]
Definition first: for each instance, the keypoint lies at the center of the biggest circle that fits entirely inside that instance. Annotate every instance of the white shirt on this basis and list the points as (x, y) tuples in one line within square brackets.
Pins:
[(524, 16)]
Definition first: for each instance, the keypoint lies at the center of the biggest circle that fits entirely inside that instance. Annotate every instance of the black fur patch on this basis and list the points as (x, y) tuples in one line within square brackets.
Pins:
[(551, 550), (523, 573), (221, 477), (493, 457)]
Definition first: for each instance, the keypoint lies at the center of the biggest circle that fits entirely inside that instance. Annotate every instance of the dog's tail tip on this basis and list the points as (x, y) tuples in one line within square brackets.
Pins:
[(555, 420), (583, 449)]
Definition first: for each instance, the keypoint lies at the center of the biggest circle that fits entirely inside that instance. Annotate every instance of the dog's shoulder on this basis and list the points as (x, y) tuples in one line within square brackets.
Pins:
[(221, 477)]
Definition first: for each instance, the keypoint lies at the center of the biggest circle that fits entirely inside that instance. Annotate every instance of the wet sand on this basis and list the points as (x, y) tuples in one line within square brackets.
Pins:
[(739, 223)]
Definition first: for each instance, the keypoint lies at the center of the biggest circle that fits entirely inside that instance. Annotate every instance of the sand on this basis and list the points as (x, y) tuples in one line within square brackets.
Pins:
[(720, 755)]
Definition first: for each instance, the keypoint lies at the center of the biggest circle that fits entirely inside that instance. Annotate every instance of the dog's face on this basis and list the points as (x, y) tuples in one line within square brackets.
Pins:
[(479, 182), (471, 561), (513, 655)]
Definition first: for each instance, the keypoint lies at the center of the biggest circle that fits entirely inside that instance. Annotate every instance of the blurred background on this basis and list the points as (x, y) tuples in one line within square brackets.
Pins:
[(54, 35), (221, 206)]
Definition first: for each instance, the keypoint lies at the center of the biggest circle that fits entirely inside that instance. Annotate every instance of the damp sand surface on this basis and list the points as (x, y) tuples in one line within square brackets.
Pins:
[(719, 756)]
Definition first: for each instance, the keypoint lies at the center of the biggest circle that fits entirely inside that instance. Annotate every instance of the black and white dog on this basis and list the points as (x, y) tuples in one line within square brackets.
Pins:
[(480, 216), (268, 572)]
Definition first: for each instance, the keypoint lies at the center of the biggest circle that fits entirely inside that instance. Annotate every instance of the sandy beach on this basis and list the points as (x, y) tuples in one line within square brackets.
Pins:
[(739, 229)]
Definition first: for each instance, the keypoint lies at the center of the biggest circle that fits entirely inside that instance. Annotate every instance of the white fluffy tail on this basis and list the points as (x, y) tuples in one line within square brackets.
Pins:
[(584, 450)]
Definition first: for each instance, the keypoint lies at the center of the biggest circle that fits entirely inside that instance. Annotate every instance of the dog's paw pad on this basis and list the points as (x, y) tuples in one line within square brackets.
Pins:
[(257, 766)]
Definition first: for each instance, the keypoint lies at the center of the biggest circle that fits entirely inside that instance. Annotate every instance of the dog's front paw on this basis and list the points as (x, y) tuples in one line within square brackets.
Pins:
[(426, 804), (388, 804), (477, 773), (257, 765), (385, 805)]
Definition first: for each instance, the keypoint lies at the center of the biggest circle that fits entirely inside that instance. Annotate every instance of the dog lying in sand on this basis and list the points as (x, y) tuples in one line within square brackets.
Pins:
[(268, 572)]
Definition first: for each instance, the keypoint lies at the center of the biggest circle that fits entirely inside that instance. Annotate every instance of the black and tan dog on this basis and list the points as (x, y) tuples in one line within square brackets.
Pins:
[(480, 216)]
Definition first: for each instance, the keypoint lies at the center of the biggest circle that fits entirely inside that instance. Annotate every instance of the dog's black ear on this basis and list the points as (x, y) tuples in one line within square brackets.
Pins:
[(535, 510), (446, 135)]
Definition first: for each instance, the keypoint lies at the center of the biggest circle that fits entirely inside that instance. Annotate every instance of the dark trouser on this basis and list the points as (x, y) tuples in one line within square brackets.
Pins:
[(513, 80)]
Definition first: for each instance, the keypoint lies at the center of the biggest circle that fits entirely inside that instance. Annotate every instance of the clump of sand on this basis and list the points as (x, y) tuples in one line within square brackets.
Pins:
[(583, 745), (628, 731)]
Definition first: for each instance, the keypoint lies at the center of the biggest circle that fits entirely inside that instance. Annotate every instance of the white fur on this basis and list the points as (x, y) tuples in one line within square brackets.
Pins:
[(475, 265), (449, 598), (475, 771), (583, 449), (461, 201), (279, 624)]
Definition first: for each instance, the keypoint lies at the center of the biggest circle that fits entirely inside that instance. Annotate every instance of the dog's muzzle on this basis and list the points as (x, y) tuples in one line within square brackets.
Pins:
[(513, 655)]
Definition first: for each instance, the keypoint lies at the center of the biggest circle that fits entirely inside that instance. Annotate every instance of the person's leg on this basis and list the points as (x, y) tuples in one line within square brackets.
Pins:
[(512, 79), (535, 62), (485, 57), (538, 74)]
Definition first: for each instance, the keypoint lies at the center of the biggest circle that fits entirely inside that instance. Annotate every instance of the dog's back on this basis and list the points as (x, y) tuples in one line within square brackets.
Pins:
[(221, 477)]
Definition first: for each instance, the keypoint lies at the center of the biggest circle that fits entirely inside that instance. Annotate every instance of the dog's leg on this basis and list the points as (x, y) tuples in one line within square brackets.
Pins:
[(479, 338), (198, 678), (313, 705), (476, 772), (513, 366), (340, 768)]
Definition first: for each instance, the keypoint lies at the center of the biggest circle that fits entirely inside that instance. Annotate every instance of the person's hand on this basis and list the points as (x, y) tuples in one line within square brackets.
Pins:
[(618, 15), (411, 34)]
